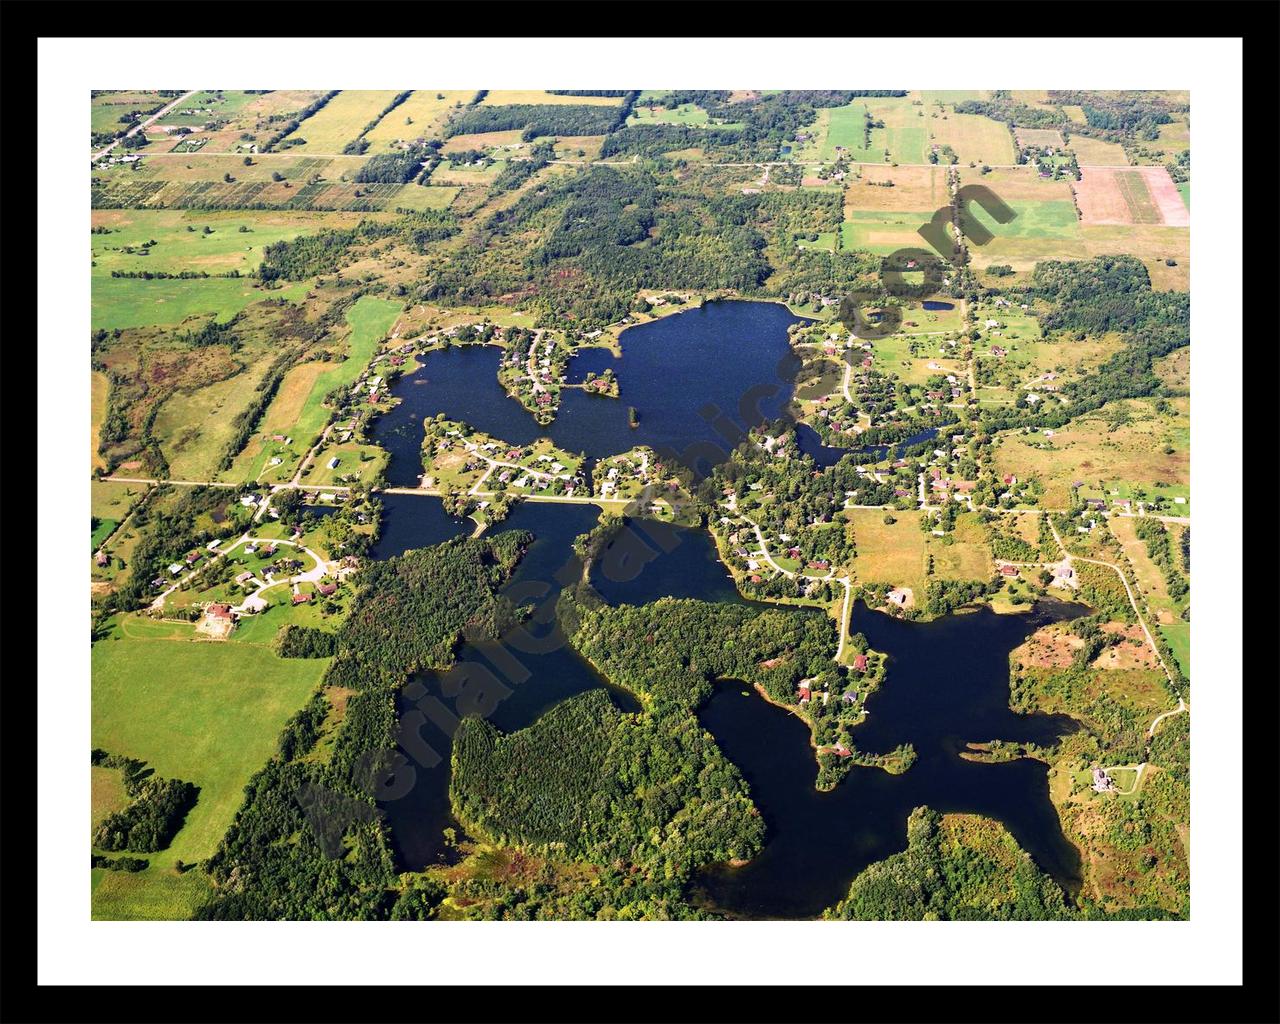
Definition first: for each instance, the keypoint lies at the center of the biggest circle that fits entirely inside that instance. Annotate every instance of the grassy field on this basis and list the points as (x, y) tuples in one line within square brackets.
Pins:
[(106, 110), (540, 97), (297, 410), (914, 188), (204, 107), (193, 429), (213, 712), (1051, 219), (1087, 449), (177, 248), (99, 388), (973, 137), (340, 120), (1179, 637), (1096, 153), (426, 108), (1150, 579), (686, 113), (111, 500), (191, 167), (899, 553), (883, 232), (366, 461), (133, 302)]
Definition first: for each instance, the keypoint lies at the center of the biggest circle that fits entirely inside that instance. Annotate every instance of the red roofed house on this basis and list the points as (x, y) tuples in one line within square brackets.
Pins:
[(1008, 570), (327, 588), (860, 662), (219, 611), (301, 598)]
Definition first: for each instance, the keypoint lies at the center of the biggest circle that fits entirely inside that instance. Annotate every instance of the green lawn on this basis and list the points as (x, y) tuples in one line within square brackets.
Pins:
[(132, 302), (177, 249), (1179, 637), (1185, 190), (1055, 218), (206, 712)]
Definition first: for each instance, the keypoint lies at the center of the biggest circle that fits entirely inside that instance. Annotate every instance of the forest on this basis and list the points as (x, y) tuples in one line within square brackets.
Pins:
[(948, 874), (587, 781)]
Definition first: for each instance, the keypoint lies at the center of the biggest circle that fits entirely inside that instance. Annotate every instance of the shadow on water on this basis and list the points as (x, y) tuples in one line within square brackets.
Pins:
[(946, 685)]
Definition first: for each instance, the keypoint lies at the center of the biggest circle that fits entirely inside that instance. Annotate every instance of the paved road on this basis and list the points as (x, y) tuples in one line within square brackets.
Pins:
[(145, 124)]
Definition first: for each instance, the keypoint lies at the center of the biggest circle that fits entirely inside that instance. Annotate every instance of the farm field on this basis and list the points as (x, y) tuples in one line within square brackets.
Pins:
[(235, 244), (1040, 137), (1154, 244), (913, 189), (202, 166), (133, 302), (973, 137), (426, 108), (1096, 153), (540, 97), (1143, 195), (109, 499), (1085, 449), (341, 120), (883, 232), (213, 712)]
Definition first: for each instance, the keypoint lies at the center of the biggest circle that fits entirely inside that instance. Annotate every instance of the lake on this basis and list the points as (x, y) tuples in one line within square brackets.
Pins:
[(947, 683), (697, 379)]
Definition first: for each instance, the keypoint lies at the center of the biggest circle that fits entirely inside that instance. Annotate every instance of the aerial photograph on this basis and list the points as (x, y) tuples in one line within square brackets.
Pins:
[(639, 505)]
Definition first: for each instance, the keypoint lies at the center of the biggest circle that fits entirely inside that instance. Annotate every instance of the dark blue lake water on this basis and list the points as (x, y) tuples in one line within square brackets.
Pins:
[(935, 304), (697, 379), (947, 684)]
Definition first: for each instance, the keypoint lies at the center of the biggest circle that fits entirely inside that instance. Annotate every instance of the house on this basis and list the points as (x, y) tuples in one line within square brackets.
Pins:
[(1009, 570), (219, 611), (327, 589), (301, 598), (898, 596), (860, 662), (849, 697), (333, 463), (174, 569), (193, 557), (101, 558), (1102, 782), (248, 500), (1010, 480), (245, 578), (212, 545)]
